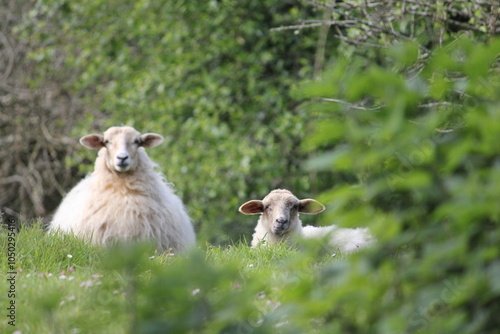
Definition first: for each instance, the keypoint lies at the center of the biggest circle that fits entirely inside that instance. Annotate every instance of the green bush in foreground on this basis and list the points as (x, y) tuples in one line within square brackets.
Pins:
[(424, 152)]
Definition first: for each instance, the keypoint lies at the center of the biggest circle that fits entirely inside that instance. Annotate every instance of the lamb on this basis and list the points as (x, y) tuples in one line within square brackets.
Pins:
[(125, 199), (280, 222)]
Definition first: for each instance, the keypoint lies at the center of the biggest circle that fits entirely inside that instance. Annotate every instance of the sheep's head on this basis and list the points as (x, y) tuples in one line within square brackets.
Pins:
[(280, 208), (121, 145)]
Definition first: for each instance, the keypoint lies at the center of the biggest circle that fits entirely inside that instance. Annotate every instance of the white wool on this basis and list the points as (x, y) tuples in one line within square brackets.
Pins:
[(108, 206), (345, 240)]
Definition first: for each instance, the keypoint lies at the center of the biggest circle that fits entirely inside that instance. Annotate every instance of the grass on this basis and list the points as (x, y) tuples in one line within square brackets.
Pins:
[(65, 285)]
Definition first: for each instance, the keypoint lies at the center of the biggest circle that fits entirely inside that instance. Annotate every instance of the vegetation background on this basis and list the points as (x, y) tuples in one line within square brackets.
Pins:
[(386, 111)]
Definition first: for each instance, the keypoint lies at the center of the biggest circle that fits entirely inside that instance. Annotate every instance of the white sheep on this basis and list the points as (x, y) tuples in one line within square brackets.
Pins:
[(125, 199), (280, 222)]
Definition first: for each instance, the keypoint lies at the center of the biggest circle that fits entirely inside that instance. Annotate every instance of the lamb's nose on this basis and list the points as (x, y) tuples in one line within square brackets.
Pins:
[(122, 157), (281, 221)]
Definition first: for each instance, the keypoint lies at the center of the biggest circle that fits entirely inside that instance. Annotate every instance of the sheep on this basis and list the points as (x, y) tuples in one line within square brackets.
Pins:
[(279, 221), (124, 198)]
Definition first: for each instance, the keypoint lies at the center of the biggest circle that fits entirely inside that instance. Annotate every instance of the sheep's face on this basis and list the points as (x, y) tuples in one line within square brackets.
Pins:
[(280, 210), (121, 145)]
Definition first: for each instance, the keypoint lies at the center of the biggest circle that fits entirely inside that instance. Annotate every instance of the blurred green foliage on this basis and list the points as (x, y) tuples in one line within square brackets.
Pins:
[(423, 153)]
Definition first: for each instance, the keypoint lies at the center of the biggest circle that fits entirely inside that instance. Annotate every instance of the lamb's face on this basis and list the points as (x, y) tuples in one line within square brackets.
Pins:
[(280, 210), (121, 145)]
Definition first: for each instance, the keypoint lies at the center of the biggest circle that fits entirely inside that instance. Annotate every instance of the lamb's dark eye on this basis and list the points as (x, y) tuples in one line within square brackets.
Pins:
[(137, 141), (267, 207), (106, 142)]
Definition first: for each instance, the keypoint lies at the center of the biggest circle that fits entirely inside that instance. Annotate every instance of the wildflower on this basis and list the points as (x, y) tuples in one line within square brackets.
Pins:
[(69, 256), (86, 284)]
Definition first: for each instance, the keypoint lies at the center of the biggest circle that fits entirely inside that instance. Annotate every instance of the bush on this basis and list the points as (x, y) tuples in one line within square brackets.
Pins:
[(423, 152)]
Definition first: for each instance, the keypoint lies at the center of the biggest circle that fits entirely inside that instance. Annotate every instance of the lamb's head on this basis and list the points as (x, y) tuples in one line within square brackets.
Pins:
[(280, 210), (121, 145)]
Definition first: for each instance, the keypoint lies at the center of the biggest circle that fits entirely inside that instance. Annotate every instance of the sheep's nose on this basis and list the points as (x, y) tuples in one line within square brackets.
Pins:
[(122, 157), (282, 221)]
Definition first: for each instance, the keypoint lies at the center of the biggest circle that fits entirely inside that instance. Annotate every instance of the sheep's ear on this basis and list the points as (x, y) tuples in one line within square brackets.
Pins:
[(151, 140), (92, 141), (310, 206), (252, 207)]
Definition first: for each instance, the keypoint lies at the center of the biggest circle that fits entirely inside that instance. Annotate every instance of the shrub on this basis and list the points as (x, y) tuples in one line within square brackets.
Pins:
[(422, 151)]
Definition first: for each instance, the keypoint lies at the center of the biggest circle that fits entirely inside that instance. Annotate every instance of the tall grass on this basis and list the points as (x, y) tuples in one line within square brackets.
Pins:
[(66, 285)]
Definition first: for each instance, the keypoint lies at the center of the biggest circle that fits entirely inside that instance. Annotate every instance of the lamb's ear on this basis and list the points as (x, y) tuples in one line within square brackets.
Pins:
[(252, 207), (92, 141), (151, 140), (310, 206)]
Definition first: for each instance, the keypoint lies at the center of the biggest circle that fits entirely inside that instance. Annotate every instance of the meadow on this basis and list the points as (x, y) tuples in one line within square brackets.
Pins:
[(66, 285)]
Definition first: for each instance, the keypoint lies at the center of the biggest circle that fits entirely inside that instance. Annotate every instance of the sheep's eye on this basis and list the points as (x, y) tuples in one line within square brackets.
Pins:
[(137, 141), (106, 142), (267, 207)]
